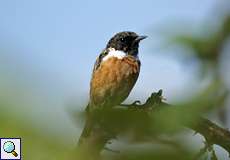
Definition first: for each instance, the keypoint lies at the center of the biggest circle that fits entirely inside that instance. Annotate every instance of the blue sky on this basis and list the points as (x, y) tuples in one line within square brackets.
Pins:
[(61, 38), (49, 47)]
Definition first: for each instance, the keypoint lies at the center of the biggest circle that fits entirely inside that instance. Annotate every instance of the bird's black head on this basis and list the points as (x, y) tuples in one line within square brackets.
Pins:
[(127, 42)]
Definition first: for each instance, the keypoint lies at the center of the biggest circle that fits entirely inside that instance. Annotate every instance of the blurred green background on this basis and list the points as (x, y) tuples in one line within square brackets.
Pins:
[(47, 50)]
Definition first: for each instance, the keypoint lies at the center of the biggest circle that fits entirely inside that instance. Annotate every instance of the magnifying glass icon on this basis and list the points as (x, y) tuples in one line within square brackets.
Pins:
[(9, 147)]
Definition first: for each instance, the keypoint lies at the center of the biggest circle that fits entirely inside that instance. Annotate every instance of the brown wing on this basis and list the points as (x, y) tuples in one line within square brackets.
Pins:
[(113, 80)]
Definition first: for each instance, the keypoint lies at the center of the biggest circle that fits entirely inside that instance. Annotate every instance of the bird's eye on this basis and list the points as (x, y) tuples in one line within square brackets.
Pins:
[(122, 39)]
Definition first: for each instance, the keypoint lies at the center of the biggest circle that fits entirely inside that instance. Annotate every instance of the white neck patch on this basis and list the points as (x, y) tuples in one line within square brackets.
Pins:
[(114, 53)]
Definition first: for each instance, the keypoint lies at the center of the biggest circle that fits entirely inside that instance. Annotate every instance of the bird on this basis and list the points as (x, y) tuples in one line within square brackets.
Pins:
[(114, 75)]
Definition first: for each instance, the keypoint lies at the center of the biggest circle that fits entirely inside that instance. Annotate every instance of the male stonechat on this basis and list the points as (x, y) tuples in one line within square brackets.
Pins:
[(114, 75)]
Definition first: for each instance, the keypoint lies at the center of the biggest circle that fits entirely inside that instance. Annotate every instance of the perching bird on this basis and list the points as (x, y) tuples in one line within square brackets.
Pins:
[(114, 75)]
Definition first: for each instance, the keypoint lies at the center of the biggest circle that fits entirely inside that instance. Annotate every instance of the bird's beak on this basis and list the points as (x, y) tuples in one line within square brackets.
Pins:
[(139, 38)]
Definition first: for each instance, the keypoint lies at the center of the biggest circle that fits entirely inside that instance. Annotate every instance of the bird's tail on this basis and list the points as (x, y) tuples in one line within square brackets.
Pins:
[(92, 139), (86, 131), (88, 126)]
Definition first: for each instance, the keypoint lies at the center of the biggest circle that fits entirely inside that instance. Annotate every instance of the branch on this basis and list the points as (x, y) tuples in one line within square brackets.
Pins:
[(213, 133), (156, 117)]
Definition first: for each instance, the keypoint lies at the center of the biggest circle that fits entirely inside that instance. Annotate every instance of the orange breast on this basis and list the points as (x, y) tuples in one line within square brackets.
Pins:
[(112, 82)]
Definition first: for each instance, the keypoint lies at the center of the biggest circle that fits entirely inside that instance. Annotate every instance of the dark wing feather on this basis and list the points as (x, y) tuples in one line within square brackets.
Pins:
[(99, 59), (96, 66)]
